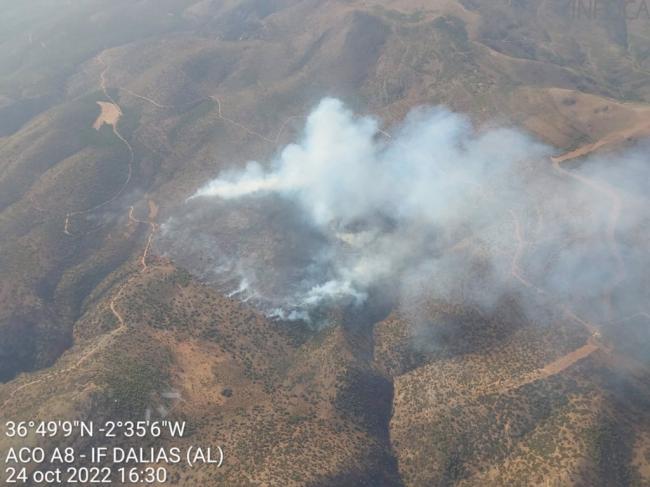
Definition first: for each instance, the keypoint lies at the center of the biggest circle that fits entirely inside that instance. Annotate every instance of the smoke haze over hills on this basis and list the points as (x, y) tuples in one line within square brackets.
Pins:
[(439, 209)]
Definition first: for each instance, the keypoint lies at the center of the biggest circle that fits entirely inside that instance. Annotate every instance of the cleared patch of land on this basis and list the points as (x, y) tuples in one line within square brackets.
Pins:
[(109, 115)]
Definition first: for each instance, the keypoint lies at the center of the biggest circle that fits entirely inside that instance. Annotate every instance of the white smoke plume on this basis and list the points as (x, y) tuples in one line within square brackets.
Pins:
[(439, 208)]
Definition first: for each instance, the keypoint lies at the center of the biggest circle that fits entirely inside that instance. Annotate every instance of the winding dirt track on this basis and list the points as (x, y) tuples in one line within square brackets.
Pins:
[(274, 141), (147, 99), (567, 360), (548, 370), (615, 208), (592, 344), (220, 114), (104, 340), (153, 209), (116, 132), (108, 337)]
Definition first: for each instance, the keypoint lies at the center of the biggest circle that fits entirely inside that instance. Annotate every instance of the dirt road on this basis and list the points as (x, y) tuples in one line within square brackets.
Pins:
[(113, 111), (122, 327)]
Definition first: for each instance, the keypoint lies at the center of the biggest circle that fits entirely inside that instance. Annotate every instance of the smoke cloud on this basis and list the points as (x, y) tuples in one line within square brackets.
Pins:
[(437, 209)]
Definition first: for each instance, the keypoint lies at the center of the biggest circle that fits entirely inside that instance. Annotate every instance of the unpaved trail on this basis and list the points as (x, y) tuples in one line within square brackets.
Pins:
[(111, 113), (116, 132), (568, 360), (549, 370), (104, 340), (515, 269), (153, 226), (145, 98), (640, 129), (273, 141), (592, 344), (153, 210), (616, 206), (143, 259), (615, 209), (121, 322)]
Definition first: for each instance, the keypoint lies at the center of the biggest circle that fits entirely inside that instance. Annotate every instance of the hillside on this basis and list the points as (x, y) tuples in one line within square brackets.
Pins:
[(113, 113)]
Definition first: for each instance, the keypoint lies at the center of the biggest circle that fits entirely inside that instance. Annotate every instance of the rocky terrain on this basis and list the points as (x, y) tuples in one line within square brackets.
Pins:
[(113, 113)]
